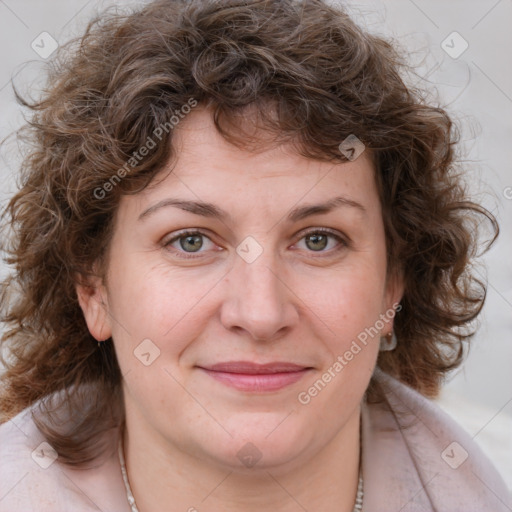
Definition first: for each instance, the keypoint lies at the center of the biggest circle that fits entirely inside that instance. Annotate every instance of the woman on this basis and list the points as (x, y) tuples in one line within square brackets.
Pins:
[(241, 266)]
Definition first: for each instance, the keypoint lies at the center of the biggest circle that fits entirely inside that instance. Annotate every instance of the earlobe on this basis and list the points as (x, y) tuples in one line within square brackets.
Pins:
[(394, 294), (92, 300)]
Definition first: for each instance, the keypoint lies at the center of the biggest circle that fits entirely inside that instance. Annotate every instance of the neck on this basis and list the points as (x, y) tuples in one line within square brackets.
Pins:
[(161, 473)]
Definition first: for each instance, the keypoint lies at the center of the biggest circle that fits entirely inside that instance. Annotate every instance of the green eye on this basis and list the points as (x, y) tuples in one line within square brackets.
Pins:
[(318, 240), (187, 242)]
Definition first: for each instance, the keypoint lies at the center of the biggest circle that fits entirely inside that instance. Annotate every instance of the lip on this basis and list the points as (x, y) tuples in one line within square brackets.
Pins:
[(249, 376)]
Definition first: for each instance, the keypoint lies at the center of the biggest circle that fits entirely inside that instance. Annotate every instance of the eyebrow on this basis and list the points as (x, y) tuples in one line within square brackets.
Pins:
[(210, 210)]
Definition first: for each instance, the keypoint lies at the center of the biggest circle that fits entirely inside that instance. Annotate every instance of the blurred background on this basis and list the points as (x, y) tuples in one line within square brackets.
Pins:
[(461, 54)]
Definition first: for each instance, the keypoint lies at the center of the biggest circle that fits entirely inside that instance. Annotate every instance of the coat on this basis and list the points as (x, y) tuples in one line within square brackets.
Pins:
[(415, 458)]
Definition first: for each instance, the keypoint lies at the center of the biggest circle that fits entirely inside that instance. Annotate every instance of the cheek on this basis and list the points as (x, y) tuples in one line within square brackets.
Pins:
[(346, 302), (347, 318), (158, 303)]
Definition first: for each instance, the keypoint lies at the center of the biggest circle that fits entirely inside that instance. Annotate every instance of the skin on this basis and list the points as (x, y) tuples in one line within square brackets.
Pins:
[(299, 302)]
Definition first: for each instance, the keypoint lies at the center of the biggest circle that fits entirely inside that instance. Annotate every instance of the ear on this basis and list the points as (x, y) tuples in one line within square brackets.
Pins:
[(393, 295), (92, 298)]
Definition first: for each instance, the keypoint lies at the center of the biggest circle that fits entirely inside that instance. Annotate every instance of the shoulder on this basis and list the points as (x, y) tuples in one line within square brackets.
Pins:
[(415, 448), (33, 479), (30, 480)]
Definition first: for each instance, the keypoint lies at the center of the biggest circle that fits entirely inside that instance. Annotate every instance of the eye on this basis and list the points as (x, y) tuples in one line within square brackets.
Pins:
[(188, 242), (320, 239)]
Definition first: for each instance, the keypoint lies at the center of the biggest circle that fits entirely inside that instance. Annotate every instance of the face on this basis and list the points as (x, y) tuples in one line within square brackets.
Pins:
[(198, 295)]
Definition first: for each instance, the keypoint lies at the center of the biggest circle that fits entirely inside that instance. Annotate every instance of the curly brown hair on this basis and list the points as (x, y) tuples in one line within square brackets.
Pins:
[(108, 92)]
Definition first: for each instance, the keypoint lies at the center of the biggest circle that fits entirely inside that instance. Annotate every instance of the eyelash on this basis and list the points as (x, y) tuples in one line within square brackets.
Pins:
[(343, 243)]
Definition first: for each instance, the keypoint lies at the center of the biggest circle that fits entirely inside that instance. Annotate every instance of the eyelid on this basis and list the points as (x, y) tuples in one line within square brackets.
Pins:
[(328, 231), (181, 234), (343, 240)]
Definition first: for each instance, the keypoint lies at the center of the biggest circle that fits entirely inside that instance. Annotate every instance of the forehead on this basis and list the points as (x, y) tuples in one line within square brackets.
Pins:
[(202, 153), (206, 168)]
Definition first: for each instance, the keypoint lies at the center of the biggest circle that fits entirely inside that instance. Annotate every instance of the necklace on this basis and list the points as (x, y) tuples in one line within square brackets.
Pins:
[(358, 507)]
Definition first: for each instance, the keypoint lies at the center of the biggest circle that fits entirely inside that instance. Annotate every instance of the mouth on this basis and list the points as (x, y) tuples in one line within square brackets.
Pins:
[(248, 376)]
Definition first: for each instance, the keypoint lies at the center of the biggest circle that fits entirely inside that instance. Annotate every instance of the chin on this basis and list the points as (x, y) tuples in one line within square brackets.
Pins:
[(264, 443)]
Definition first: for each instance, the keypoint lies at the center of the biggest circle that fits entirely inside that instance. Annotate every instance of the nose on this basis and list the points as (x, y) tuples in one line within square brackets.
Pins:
[(259, 300)]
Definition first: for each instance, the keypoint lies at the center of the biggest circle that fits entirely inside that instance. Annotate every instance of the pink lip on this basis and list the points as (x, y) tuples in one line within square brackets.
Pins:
[(247, 376)]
